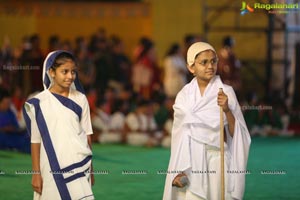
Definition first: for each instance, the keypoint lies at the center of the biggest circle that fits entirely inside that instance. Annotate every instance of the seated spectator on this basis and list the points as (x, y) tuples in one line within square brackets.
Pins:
[(294, 125), (17, 101), (251, 115), (264, 120), (164, 117), (116, 133), (11, 136), (141, 126), (101, 120), (17, 98), (166, 141), (270, 121), (285, 120)]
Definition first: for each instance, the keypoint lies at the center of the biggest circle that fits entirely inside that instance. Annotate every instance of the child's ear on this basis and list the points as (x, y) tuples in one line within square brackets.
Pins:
[(191, 68), (51, 73)]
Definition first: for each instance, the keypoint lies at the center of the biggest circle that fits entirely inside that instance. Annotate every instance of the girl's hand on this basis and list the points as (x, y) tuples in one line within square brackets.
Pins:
[(177, 181), (37, 183), (223, 101)]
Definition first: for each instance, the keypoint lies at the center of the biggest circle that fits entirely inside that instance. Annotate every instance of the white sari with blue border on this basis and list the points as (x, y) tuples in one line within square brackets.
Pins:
[(65, 157), (61, 125)]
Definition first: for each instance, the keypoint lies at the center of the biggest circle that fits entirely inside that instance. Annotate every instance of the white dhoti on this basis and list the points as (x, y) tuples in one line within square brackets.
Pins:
[(213, 157)]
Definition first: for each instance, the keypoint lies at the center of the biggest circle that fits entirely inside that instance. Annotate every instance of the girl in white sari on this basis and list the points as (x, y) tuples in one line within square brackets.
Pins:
[(58, 120)]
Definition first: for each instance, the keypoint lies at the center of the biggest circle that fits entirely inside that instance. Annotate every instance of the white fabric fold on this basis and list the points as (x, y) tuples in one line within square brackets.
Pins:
[(196, 124)]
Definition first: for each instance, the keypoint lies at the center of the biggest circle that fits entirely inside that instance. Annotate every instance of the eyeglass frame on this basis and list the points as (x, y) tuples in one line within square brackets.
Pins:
[(205, 62)]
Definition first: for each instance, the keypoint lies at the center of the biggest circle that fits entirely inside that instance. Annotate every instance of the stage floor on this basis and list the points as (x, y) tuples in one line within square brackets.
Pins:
[(137, 173)]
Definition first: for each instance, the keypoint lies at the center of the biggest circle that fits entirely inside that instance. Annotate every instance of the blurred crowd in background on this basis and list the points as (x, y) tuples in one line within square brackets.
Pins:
[(130, 96)]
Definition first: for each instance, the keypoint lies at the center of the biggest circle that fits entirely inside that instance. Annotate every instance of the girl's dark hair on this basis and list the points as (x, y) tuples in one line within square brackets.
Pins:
[(228, 41), (4, 94), (146, 45), (173, 49), (62, 59)]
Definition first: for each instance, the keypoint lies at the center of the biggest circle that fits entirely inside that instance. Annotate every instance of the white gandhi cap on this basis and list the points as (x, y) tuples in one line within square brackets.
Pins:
[(195, 49)]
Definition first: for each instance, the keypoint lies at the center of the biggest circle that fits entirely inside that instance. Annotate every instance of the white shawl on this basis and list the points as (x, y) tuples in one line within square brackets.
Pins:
[(196, 123)]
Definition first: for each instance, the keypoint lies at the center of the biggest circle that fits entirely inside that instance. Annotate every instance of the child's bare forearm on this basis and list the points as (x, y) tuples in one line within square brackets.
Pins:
[(89, 139), (35, 156), (231, 122)]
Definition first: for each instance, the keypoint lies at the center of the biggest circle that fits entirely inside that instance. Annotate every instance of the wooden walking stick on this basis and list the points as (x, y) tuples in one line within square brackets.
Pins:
[(222, 152)]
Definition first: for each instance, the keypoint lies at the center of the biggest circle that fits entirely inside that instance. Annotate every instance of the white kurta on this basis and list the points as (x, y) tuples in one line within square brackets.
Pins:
[(61, 126), (111, 127), (101, 121), (139, 125), (196, 126), (166, 142)]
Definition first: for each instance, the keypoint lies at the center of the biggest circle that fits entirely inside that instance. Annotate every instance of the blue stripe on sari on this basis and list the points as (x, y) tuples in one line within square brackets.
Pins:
[(78, 164), (53, 161), (74, 177), (69, 104)]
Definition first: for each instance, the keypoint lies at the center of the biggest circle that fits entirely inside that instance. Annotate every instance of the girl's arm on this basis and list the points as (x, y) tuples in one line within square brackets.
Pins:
[(37, 182), (223, 102), (231, 121)]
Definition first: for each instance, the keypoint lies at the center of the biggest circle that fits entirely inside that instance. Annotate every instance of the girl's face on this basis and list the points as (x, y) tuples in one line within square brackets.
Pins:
[(205, 66), (5, 104), (152, 54), (64, 75)]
